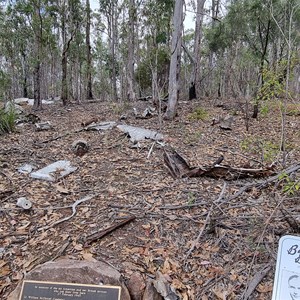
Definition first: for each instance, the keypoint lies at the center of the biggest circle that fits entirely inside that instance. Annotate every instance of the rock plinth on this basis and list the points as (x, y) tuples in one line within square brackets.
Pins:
[(74, 271)]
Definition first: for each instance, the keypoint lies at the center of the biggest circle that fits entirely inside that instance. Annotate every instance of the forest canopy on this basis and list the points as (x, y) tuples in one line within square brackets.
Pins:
[(122, 49)]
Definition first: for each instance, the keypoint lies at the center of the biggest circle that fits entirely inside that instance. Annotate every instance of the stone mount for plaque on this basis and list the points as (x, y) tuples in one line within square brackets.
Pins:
[(75, 271), (41, 290)]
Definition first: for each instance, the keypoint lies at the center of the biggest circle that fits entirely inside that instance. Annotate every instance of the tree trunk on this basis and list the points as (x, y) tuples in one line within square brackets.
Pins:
[(89, 93), (175, 61), (131, 43), (264, 42), (195, 84), (37, 68)]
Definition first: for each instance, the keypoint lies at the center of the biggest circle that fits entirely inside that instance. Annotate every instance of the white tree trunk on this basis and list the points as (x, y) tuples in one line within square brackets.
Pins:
[(131, 44), (175, 61)]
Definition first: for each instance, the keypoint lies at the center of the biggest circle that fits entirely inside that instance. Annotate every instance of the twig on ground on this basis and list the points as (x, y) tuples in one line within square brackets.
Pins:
[(249, 288), (74, 205), (258, 277), (150, 151), (194, 243), (61, 136), (263, 183), (98, 235)]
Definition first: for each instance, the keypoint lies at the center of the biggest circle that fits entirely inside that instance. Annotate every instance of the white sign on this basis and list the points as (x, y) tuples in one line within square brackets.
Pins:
[(287, 276)]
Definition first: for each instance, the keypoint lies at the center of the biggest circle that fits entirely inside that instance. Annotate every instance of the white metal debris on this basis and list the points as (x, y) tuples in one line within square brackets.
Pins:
[(138, 134), (55, 171)]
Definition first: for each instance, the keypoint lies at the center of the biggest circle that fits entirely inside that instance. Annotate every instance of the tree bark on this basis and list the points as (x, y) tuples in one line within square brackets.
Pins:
[(175, 61), (197, 47), (89, 93), (131, 44), (38, 28)]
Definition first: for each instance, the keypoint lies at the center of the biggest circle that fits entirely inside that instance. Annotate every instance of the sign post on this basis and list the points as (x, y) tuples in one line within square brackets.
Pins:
[(287, 276)]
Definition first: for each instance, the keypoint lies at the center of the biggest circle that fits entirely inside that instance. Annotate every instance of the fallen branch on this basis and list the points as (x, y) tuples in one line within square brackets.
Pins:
[(205, 223), (263, 183), (74, 205), (62, 136), (179, 168), (259, 276), (98, 235)]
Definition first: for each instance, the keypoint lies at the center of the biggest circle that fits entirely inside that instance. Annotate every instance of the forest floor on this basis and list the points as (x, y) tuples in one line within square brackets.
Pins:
[(208, 244)]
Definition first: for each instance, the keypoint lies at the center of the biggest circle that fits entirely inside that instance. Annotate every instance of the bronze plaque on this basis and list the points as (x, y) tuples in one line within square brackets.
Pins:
[(43, 290)]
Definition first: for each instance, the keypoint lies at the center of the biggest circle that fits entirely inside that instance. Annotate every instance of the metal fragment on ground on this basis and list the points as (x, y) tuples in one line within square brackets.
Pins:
[(55, 171), (138, 134)]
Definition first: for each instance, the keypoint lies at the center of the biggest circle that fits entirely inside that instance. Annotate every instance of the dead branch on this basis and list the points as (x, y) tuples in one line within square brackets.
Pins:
[(75, 204), (263, 183), (205, 223), (256, 280), (100, 234), (62, 136), (179, 168)]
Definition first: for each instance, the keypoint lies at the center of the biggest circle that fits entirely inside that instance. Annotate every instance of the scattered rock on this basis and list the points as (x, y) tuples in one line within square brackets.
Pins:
[(226, 123), (136, 286), (73, 271), (151, 293)]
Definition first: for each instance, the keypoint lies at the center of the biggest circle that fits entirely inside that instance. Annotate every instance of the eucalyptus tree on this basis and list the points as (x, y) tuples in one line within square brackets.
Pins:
[(195, 82), (111, 12), (174, 79), (89, 93), (70, 13), (131, 47), (31, 18), (155, 31)]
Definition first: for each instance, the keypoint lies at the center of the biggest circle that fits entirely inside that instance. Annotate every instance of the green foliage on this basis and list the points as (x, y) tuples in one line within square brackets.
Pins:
[(191, 198), (273, 86), (267, 150), (290, 186), (7, 121), (199, 114), (4, 83), (143, 73)]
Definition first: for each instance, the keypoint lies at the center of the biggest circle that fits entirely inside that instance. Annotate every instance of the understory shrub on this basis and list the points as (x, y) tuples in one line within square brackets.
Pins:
[(7, 121)]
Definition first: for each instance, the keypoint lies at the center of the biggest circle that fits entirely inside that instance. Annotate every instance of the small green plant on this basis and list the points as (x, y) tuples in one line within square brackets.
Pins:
[(191, 198), (199, 114), (7, 121), (290, 186), (266, 149)]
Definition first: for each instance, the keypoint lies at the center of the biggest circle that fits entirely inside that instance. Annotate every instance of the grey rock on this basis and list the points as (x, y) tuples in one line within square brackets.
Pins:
[(74, 271)]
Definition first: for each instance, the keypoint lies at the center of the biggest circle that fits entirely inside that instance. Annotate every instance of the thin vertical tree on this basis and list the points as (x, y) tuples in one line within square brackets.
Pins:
[(174, 80), (197, 47), (131, 44), (89, 93)]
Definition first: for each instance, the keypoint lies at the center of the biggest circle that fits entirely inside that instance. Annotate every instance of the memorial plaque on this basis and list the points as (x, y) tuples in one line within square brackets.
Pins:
[(287, 276), (40, 290)]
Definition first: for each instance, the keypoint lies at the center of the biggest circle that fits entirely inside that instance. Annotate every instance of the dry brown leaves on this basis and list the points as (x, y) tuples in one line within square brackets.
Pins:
[(239, 237)]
